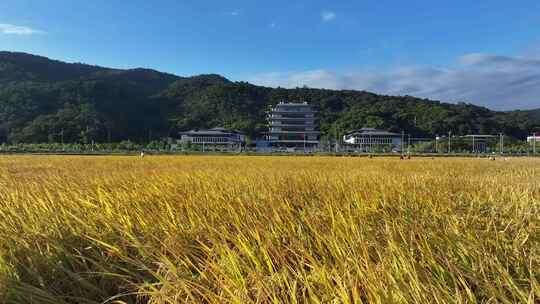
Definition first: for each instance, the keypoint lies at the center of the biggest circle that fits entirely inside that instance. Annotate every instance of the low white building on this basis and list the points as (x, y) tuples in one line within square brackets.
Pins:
[(214, 136), (370, 139)]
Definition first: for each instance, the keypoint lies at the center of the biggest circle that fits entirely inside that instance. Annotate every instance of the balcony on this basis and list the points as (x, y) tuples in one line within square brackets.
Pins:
[(291, 111), (279, 117), (304, 124), (293, 132)]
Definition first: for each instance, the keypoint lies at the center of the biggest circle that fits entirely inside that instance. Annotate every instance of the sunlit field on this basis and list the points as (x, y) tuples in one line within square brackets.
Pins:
[(209, 229)]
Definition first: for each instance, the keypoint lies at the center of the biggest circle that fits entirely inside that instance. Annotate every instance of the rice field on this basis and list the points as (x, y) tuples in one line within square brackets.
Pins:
[(211, 229)]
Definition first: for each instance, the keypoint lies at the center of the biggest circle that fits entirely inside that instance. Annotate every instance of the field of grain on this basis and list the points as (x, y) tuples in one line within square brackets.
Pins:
[(209, 229)]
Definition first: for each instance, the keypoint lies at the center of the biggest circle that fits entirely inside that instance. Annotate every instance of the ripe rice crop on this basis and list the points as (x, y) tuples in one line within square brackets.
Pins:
[(210, 229)]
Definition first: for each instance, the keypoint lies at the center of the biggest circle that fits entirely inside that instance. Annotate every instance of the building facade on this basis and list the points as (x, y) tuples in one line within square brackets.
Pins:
[(213, 137), (372, 140), (293, 125)]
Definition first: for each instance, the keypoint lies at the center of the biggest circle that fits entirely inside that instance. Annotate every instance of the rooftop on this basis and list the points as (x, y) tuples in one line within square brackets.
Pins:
[(284, 103), (218, 131), (372, 132)]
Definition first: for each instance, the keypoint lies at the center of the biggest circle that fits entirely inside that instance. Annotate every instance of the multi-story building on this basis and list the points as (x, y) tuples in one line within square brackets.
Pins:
[(293, 125), (371, 140)]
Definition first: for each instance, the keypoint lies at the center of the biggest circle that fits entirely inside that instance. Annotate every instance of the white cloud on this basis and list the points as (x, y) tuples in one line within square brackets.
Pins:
[(327, 16), (497, 82), (10, 29)]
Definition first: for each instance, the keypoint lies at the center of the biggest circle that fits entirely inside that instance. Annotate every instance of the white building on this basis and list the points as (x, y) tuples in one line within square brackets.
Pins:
[(293, 125), (370, 139), (214, 136)]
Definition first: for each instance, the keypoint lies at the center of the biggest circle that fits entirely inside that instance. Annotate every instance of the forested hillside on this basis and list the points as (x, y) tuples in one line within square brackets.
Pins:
[(43, 100), (533, 114)]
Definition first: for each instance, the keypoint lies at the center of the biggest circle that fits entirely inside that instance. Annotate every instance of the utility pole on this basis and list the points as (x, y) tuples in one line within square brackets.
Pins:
[(501, 148), (409, 144), (502, 143), (402, 140), (62, 138), (449, 141), (534, 143), (337, 138)]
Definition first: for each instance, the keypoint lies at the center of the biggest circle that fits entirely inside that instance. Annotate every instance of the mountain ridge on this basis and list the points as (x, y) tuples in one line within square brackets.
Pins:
[(41, 98)]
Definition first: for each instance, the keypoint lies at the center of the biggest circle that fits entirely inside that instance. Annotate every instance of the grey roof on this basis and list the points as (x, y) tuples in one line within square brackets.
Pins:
[(218, 131), (372, 132), (284, 103), (293, 104)]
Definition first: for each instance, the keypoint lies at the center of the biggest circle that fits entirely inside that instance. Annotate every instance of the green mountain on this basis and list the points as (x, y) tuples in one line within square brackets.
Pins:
[(43, 100), (533, 114)]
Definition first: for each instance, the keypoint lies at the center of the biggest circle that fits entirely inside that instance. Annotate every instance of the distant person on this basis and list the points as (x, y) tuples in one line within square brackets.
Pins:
[(142, 154)]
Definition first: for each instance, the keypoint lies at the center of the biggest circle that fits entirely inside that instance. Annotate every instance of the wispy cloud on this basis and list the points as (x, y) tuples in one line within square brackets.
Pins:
[(233, 13), (10, 29), (327, 16), (497, 82)]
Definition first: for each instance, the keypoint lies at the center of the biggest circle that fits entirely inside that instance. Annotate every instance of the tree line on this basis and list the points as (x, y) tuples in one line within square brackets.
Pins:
[(45, 101)]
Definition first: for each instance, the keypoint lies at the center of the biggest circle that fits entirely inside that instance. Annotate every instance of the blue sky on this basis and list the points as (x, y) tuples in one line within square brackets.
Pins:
[(484, 52)]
